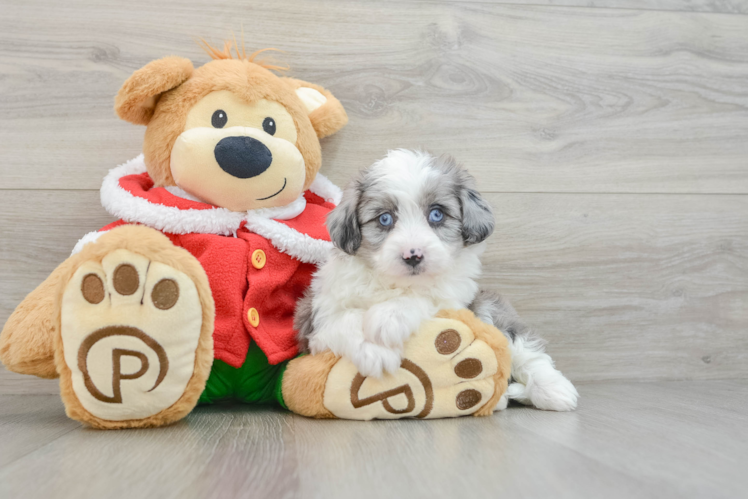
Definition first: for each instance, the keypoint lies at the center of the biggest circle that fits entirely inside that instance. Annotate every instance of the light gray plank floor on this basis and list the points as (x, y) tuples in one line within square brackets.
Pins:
[(716, 6), (654, 439)]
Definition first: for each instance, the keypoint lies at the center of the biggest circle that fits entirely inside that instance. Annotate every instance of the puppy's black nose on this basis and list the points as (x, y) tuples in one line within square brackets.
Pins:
[(242, 156), (413, 260)]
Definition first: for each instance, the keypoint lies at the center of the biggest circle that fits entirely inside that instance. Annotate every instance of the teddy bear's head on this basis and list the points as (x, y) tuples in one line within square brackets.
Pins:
[(231, 132)]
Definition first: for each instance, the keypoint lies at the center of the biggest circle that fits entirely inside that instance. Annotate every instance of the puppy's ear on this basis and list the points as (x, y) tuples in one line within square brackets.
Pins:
[(342, 222), (477, 215), (325, 111), (138, 96)]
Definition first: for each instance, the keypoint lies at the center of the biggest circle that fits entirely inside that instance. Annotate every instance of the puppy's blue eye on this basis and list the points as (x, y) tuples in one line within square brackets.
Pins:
[(436, 216), (385, 219)]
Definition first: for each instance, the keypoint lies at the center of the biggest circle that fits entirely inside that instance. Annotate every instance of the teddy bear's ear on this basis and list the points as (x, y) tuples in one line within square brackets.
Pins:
[(138, 96), (325, 111)]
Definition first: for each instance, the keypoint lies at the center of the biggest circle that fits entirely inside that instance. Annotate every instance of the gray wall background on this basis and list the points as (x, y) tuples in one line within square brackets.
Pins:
[(611, 137)]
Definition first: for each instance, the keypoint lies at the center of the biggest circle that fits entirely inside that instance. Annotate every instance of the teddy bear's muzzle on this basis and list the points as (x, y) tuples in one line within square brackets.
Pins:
[(243, 157), (238, 168)]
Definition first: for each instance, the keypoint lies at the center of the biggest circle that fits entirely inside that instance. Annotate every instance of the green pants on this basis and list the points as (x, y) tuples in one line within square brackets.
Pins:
[(256, 381)]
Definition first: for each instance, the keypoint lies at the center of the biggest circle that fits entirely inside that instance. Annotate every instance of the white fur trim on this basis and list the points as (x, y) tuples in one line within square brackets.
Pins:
[(323, 187), (87, 238), (122, 204), (289, 241)]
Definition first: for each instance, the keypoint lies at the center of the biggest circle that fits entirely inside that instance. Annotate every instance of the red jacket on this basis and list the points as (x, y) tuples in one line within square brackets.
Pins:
[(261, 260)]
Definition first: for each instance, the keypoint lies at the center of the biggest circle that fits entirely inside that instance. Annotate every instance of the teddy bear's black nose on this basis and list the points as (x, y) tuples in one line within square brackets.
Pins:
[(242, 156)]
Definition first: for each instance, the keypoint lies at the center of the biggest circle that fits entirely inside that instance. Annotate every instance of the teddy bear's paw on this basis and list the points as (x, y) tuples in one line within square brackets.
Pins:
[(445, 372), (130, 328)]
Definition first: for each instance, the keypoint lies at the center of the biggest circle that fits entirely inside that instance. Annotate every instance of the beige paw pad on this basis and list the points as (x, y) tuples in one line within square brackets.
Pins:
[(446, 372), (130, 328)]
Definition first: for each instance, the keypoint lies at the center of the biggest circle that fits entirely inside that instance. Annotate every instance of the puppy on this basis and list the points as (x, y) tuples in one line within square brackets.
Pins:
[(408, 236)]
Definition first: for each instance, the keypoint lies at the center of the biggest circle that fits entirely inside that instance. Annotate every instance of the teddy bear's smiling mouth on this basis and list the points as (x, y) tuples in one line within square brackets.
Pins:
[(276, 193)]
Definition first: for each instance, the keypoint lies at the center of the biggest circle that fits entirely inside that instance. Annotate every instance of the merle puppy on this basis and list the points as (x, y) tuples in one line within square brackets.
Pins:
[(408, 236)]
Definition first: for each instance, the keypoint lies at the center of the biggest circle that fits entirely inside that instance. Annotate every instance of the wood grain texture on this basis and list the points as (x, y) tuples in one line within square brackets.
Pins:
[(609, 135), (622, 286), (628, 286), (30, 422), (716, 6), (448, 458), (217, 452), (537, 100), (660, 439), (40, 229), (532, 98), (15, 383)]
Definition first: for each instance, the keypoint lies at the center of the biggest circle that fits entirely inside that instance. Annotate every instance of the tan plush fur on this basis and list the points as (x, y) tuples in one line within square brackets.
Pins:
[(328, 118), (157, 247), (44, 322), (248, 80), (304, 384), (160, 95), (137, 98), (27, 339), (496, 341), (240, 52)]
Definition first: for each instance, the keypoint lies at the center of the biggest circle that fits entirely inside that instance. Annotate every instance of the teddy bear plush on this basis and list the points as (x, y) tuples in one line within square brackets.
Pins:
[(189, 296)]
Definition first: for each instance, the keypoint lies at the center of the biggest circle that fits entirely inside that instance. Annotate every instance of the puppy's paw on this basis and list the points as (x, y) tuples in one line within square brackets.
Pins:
[(503, 402), (552, 391), (518, 392), (373, 360), (384, 325)]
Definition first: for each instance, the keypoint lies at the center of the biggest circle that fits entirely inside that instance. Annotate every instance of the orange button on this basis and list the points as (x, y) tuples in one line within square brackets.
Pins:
[(253, 316), (258, 259)]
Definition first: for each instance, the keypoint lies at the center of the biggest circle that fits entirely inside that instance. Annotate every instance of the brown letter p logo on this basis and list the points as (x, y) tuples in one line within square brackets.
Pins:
[(117, 355)]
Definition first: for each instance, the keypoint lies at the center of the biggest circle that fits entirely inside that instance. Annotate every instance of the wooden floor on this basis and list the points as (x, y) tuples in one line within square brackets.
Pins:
[(609, 135), (657, 439)]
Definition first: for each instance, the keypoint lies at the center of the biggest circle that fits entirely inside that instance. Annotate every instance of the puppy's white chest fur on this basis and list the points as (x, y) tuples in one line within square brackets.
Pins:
[(356, 309)]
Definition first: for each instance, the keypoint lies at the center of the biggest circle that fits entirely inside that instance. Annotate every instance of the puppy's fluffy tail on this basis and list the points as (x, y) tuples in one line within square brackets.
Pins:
[(535, 380), (492, 308)]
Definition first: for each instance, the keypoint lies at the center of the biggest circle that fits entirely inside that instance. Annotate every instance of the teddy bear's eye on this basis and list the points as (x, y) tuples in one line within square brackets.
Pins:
[(219, 119), (268, 125)]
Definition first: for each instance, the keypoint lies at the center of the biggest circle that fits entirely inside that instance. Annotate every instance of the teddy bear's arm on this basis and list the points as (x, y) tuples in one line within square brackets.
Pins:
[(27, 339)]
